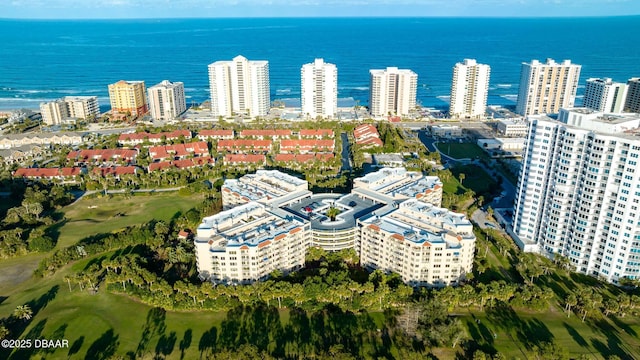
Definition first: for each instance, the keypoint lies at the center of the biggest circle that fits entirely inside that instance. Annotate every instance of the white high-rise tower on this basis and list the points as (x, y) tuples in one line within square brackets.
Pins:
[(239, 86), (604, 95), (469, 89), (319, 89), (577, 194), (392, 91), (545, 88)]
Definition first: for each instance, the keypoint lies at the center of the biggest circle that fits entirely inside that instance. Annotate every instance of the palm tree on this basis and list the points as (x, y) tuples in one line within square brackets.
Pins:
[(23, 312), (569, 302), (332, 212), (4, 332), (462, 176)]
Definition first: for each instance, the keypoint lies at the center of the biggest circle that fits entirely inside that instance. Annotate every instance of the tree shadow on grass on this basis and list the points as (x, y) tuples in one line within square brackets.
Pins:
[(154, 326), (75, 347), (625, 327), (104, 347), (185, 342), (576, 336), (53, 231), (553, 282), (58, 334), (166, 344), (208, 343), (614, 345), (27, 353)]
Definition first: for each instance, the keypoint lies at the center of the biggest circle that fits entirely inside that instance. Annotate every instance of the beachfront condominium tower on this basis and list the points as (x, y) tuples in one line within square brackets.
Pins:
[(128, 97), (578, 191), (632, 103), (469, 88), (319, 89), (545, 88), (604, 95), (69, 107), (166, 100), (392, 91), (239, 86)]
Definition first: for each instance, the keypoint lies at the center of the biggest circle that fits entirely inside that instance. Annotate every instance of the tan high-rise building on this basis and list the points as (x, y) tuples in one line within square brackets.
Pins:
[(469, 89), (167, 100), (128, 97), (53, 112), (69, 107), (392, 91), (545, 88)]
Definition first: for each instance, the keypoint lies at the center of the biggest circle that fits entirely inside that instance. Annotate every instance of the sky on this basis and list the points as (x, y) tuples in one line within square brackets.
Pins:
[(99, 9)]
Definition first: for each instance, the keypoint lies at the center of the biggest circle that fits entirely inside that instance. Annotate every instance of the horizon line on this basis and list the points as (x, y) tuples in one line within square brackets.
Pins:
[(326, 17)]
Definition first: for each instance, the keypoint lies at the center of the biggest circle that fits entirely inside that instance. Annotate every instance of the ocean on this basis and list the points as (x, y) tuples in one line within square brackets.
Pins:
[(42, 60)]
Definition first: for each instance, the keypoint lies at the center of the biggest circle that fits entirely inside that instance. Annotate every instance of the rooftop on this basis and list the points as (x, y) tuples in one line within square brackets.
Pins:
[(314, 208), (247, 225)]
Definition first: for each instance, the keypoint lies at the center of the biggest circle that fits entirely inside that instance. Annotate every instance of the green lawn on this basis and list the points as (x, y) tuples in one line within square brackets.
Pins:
[(515, 333), (100, 215), (475, 178), (462, 151), (104, 324)]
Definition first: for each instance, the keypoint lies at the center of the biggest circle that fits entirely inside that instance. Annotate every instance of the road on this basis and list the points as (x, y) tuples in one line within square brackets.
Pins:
[(346, 159)]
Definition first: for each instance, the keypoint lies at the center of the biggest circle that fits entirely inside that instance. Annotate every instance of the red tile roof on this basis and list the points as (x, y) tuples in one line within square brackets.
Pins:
[(97, 155), (244, 144), (370, 141), (316, 132), (180, 164), (215, 133), (245, 158), (367, 134), (47, 172), (307, 145), (115, 170), (302, 158), (199, 148), (160, 166)]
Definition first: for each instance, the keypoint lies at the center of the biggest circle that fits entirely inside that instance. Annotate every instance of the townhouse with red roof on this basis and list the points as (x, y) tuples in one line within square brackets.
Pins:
[(244, 145), (139, 138), (179, 151), (102, 156), (304, 146), (215, 134)]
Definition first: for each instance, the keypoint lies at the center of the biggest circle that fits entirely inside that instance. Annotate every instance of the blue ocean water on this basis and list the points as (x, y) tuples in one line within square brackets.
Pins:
[(46, 59)]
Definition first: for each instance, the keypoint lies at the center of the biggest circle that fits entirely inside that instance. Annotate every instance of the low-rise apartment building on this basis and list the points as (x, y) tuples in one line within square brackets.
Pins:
[(392, 219), (247, 243)]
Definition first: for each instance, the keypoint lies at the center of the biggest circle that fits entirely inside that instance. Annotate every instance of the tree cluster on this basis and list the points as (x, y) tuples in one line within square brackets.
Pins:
[(23, 228)]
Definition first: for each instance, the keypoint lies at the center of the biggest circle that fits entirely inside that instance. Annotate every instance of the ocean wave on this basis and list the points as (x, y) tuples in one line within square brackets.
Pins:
[(580, 86), (22, 99), (283, 91), (359, 88), (504, 85), (445, 98), (579, 96), (510, 97)]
